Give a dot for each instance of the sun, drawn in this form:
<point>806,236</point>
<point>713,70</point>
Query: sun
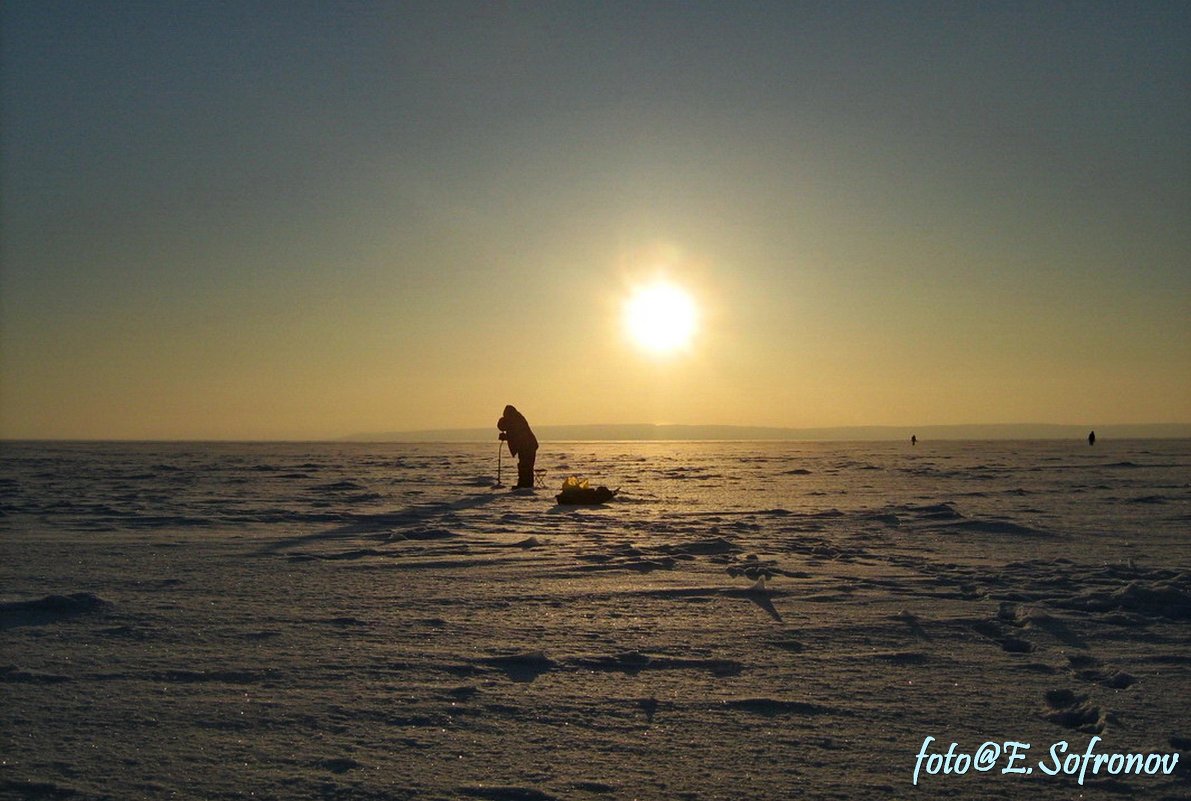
<point>660,318</point>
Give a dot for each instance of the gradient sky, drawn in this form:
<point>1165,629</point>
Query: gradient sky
<point>308,219</point>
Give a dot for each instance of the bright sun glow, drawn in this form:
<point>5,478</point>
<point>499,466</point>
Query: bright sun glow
<point>661,318</point>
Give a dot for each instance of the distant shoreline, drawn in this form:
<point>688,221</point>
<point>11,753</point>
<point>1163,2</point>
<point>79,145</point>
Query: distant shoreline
<point>760,433</point>
<point>690,433</point>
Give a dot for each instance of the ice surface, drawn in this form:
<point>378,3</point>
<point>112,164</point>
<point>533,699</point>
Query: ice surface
<point>746,620</point>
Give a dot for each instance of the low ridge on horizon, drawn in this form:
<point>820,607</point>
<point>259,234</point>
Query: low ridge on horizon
<point>678,432</point>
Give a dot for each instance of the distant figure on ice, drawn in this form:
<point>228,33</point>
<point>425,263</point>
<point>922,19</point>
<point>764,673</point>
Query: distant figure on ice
<point>1092,438</point>
<point>515,430</point>
<point>913,439</point>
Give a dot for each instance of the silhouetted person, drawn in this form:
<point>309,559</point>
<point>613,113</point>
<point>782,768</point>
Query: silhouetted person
<point>1092,438</point>
<point>515,430</point>
<point>913,439</point>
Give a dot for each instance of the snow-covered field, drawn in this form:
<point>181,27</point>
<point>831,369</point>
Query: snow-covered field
<point>746,620</point>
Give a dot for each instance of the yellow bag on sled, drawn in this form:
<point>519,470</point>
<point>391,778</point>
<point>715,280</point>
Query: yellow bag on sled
<point>576,491</point>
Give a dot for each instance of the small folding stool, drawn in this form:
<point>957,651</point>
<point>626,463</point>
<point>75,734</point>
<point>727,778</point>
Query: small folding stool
<point>539,477</point>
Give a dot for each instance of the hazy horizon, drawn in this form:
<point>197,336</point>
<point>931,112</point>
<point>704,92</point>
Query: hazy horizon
<point>660,432</point>
<point>260,222</point>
